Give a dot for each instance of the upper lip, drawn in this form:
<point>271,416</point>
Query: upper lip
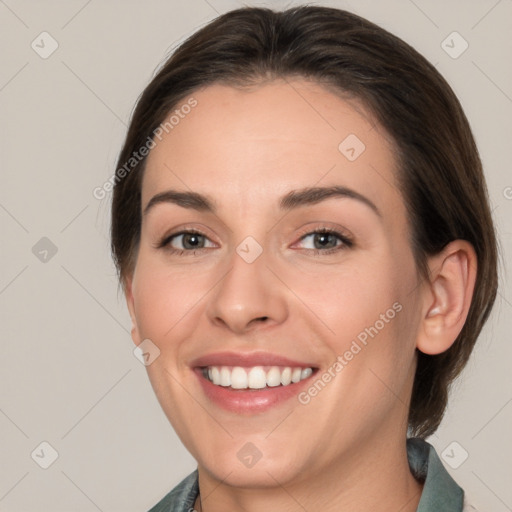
<point>247,360</point>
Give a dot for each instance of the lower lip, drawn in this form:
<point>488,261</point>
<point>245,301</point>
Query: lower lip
<point>249,401</point>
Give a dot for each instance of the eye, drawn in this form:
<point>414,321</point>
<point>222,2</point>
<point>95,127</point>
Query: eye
<point>326,241</point>
<point>185,241</point>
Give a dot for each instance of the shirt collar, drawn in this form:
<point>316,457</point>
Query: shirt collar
<point>440,491</point>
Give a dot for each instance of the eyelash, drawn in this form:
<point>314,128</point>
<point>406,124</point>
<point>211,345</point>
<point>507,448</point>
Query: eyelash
<point>347,242</point>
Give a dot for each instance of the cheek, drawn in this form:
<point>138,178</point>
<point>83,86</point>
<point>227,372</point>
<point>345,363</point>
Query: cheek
<point>351,298</point>
<point>367,315</point>
<point>372,340</point>
<point>164,299</point>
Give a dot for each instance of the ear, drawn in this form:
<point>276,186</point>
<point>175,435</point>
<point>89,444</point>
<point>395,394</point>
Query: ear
<point>447,296</point>
<point>128,291</point>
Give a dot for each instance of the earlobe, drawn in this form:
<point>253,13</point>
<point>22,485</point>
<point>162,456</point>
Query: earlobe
<point>130,302</point>
<point>447,297</point>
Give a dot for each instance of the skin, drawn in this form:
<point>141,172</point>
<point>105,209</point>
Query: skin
<point>245,148</point>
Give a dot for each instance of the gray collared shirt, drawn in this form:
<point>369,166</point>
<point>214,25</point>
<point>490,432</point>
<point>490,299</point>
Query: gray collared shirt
<point>440,492</point>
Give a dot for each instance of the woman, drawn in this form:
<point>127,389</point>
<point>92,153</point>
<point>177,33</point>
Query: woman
<point>303,234</point>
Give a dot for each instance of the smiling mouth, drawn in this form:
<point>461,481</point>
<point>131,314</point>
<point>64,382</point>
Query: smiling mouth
<point>255,377</point>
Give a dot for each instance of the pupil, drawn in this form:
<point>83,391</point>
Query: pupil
<point>323,239</point>
<point>188,238</point>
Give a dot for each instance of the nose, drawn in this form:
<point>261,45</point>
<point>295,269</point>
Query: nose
<point>249,295</point>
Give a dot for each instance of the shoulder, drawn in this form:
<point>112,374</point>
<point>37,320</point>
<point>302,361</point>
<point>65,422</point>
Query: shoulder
<point>181,498</point>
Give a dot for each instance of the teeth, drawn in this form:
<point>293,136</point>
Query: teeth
<point>304,374</point>
<point>286,376</point>
<point>225,377</point>
<point>274,377</point>
<point>215,375</point>
<point>239,379</point>
<point>256,377</point>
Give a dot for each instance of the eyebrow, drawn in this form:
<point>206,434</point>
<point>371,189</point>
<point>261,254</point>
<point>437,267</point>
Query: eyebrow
<point>291,200</point>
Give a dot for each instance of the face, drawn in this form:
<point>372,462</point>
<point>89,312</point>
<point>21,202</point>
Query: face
<point>285,320</point>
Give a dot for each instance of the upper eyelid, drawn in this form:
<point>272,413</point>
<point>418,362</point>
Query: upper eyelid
<point>166,239</point>
<point>345,239</point>
<point>343,232</point>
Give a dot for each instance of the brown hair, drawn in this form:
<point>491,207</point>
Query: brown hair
<point>440,172</point>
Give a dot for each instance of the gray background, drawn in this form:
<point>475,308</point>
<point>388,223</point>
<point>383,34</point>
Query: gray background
<point>69,375</point>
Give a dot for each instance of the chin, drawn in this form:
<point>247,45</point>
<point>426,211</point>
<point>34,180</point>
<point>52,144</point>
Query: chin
<point>252,466</point>
<point>262,475</point>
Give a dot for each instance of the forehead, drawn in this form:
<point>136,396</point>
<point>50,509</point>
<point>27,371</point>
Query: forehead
<point>270,138</point>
